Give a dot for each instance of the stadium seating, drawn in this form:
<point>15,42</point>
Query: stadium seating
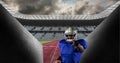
<point>57,33</point>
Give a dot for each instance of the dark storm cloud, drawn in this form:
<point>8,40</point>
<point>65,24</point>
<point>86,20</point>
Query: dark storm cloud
<point>55,7</point>
<point>32,6</point>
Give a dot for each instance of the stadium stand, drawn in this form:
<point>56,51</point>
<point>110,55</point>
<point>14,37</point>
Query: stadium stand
<point>57,32</point>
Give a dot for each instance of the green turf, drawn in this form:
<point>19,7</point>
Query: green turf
<point>45,41</point>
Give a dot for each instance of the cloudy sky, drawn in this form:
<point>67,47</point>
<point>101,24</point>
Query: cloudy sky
<point>60,7</point>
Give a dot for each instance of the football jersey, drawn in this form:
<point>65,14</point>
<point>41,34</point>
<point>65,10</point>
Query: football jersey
<point>68,51</point>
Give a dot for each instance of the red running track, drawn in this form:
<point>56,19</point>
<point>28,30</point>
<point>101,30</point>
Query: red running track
<point>50,51</point>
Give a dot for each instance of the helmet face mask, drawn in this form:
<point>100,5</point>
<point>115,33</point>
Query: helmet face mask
<point>70,36</point>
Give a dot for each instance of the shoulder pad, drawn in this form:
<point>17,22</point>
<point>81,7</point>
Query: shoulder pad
<point>63,40</point>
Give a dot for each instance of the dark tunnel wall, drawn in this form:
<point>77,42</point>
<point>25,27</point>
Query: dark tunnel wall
<point>17,45</point>
<point>103,42</point>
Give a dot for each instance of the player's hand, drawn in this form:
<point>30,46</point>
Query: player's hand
<point>57,61</point>
<point>74,43</point>
<point>81,49</point>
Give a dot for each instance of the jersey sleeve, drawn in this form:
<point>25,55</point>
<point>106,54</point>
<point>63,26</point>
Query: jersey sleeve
<point>83,42</point>
<point>60,43</point>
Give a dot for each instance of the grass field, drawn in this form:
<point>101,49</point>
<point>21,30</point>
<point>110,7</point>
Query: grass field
<point>45,41</point>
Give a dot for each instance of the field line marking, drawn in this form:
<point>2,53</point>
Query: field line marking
<point>54,52</point>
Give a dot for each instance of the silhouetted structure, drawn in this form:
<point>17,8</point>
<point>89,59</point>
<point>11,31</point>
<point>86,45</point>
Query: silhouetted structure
<point>17,45</point>
<point>103,41</point>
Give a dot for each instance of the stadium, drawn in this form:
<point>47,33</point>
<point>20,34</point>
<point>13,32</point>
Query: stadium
<point>48,29</point>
